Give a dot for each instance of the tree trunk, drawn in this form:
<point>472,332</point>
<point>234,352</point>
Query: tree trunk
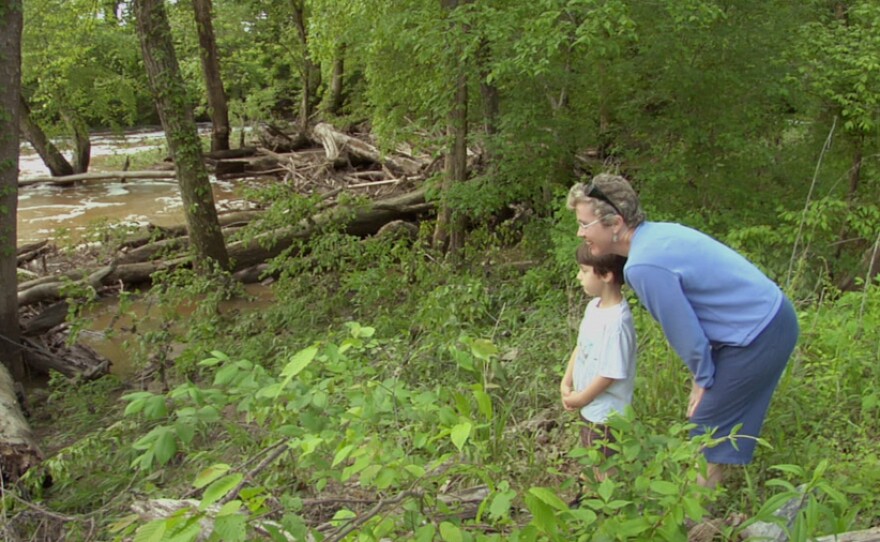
<point>18,449</point>
<point>488,91</point>
<point>213,81</point>
<point>336,84</point>
<point>82,143</point>
<point>308,70</point>
<point>176,115</point>
<point>449,230</point>
<point>56,163</point>
<point>855,177</point>
<point>10,101</point>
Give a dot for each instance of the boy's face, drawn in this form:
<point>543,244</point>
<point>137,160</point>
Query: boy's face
<point>590,281</point>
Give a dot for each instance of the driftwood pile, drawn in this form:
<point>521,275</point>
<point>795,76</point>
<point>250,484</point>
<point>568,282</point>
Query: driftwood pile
<point>328,164</point>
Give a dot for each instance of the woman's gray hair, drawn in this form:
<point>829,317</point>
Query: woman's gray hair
<point>616,189</point>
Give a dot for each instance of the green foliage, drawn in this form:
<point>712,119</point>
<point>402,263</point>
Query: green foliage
<point>842,64</point>
<point>78,58</point>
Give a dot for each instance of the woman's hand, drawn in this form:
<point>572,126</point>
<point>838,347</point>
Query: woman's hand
<point>694,401</point>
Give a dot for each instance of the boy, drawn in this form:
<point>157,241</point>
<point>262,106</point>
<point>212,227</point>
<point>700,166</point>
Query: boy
<point>601,372</point>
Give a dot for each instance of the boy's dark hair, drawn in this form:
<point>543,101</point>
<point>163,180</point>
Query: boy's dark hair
<point>607,263</point>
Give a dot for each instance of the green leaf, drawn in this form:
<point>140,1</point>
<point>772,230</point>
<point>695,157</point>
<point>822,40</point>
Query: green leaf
<point>225,375</point>
<point>153,531</point>
<point>154,408</point>
<point>218,489</point>
<point>232,507</point>
<point>693,508</point>
<point>460,434</point>
<point>210,474</point>
<point>606,489</point>
<point>342,454</point>
<point>185,432</point>
<point>230,528</point>
<point>297,363</point>
<point>189,533</point>
<point>663,487</point>
<point>791,469</point>
<point>425,533</point>
<point>500,507</point>
<point>549,497</point>
<point>450,532</point>
<point>542,515</point>
<point>416,471</point>
<point>632,527</point>
<point>165,446</point>
<point>484,403</point>
<point>483,349</point>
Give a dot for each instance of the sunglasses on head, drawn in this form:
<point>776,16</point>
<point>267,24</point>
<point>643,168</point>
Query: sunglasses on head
<point>596,193</point>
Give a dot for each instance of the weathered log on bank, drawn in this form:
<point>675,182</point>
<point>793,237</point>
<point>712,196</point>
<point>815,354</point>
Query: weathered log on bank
<point>361,222</point>
<point>336,144</point>
<point>51,353</point>
<point>50,291</point>
<point>18,449</point>
<point>97,176</point>
<point>175,239</point>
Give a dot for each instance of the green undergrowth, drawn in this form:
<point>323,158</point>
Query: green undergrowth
<point>388,382</point>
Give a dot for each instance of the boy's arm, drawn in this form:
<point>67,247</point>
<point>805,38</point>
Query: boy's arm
<point>588,394</point>
<point>567,384</point>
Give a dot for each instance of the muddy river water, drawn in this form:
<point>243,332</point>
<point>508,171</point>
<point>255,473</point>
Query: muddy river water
<point>51,212</point>
<point>63,214</point>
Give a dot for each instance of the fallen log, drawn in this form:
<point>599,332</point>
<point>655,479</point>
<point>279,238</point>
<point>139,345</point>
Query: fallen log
<point>360,221</point>
<point>177,240</point>
<point>231,153</point>
<point>336,143</point>
<point>53,315</point>
<point>114,175</point>
<point>52,290</point>
<point>18,449</point>
<point>72,276</point>
<point>77,361</point>
<point>23,249</point>
<point>25,257</point>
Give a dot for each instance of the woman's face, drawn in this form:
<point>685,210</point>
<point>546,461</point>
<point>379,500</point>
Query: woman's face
<point>593,232</point>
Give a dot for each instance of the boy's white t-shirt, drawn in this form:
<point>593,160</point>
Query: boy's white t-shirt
<point>606,347</point>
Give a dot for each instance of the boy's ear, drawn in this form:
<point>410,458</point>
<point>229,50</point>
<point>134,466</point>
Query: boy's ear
<point>608,277</point>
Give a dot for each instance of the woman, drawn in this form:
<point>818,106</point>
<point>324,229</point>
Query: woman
<point>731,325</point>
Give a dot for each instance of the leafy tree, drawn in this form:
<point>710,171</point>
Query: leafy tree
<point>81,70</point>
<point>175,112</point>
<point>10,76</point>
<point>841,65</point>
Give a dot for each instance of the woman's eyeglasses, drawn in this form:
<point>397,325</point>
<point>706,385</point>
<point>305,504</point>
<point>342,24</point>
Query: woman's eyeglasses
<point>583,226</point>
<point>595,192</point>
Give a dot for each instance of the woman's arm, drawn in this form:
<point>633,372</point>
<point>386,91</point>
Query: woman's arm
<point>660,291</point>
